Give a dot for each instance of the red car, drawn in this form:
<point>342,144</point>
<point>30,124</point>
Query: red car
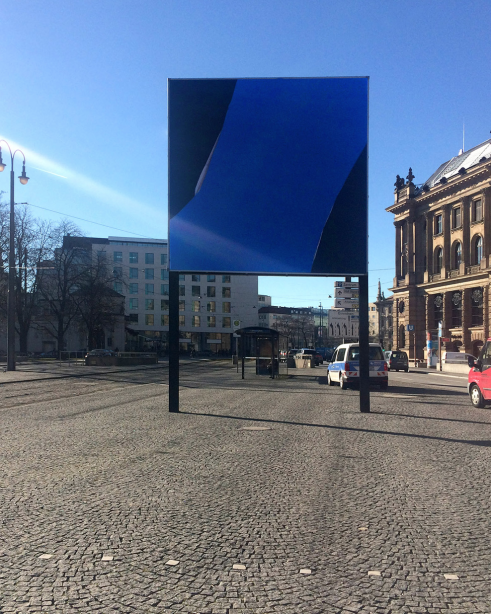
<point>479,379</point>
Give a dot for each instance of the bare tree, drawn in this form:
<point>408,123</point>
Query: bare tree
<point>59,278</point>
<point>298,327</point>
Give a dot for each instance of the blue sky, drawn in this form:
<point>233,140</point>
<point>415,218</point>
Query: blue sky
<point>84,95</point>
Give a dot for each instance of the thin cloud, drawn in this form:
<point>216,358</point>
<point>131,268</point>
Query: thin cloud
<point>83,183</point>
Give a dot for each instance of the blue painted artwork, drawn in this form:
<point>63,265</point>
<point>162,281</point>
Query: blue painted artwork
<point>268,176</point>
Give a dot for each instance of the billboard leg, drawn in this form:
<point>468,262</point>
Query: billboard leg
<point>174,341</point>
<point>364,346</point>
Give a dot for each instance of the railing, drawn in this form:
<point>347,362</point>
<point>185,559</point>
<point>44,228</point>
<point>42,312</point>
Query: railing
<point>454,273</point>
<point>435,277</point>
<point>473,269</point>
<point>401,282</point>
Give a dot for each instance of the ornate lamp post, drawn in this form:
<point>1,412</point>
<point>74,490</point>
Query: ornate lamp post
<point>23,178</point>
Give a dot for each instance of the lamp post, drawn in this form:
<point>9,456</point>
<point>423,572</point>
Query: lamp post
<point>23,178</point>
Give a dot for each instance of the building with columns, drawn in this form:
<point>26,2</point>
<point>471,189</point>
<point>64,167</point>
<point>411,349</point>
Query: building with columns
<point>443,255</point>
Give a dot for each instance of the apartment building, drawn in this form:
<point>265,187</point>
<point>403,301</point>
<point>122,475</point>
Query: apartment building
<point>211,306</point>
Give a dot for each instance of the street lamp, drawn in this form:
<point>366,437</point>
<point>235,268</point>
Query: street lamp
<point>23,178</point>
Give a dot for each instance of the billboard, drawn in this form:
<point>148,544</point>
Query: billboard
<point>268,176</point>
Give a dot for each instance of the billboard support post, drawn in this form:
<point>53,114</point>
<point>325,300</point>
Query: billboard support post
<point>364,346</point>
<point>174,341</point>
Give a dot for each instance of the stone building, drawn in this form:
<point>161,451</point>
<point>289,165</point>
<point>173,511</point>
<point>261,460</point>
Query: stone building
<point>384,307</point>
<point>443,255</point>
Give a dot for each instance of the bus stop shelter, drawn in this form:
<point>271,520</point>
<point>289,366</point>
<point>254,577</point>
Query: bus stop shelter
<point>260,344</point>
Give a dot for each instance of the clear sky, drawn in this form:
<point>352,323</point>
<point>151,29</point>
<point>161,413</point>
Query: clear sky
<point>83,93</point>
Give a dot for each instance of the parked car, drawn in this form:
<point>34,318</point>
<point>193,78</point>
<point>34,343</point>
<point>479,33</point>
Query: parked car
<point>479,378</point>
<point>316,357</point>
<point>457,358</point>
<point>397,360</point>
<point>100,353</point>
<point>345,366</point>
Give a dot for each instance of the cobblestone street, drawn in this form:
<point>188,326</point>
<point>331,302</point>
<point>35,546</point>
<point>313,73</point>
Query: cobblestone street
<point>261,497</point>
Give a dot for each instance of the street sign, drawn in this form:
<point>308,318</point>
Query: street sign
<point>236,325</point>
<point>444,339</point>
<point>410,327</point>
<point>346,293</point>
<point>345,303</point>
<point>346,284</point>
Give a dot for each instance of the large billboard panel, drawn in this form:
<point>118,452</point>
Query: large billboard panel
<point>268,176</point>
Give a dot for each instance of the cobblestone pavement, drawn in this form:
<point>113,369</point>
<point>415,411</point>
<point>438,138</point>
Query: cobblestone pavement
<point>111,504</point>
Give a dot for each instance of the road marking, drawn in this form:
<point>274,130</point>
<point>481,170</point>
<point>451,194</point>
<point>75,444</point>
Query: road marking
<point>255,428</point>
<point>171,562</point>
<point>363,529</point>
<point>374,573</point>
<point>107,557</point>
<point>306,571</point>
<point>238,566</point>
<point>464,377</point>
<point>450,576</point>
<point>45,556</point>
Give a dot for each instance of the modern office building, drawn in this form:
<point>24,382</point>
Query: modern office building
<point>211,306</point>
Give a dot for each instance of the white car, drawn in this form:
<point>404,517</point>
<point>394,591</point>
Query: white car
<point>344,368</point>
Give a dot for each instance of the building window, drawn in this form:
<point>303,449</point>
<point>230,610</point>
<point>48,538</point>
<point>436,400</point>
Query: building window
<point>118,287</point>
<point>402,336</point>
<point>212,321</point>
<point>149,304</point>
<point>227,322</point>
<point>226,307</point>
<point>225,279</point>
<point>438,224</point>
<point>438,260</point>
<point>182,290</point>
<point>133,303</point>
<point>211,306</point>
<point>457,255</point>
<point>133,257</point>
<point>195,321</point>
<point>133,317</point>
<point>164,320</point>
<point>182,305</point>
<point>164,289</point>
<point>148,273</point>
<point>149,289</point>
<point>210,278</point>
<point>226,293</point>
<point>149,259</point>
<point>149,319</point>
<point>182,320</point>
<point>477,210</point>
<point>164,304</point>
<point>438,309</point>
<point>456,217</point>
<point>182,277</point>
<point>163,259</point>
<point>118,272</point>
<point>195,291</point>
<point>133,273</point>
<point>133,288</point>
<point>118,256</point>
<point>164,274</point>
<point>195,306</point>
<point>476,307</point>
<point>456,309</point>
<point>195,277</point>
<point>478,250</point>
<point>210,291</point>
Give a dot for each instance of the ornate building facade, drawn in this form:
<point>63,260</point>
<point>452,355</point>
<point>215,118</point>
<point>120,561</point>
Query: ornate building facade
<point>443,255</point>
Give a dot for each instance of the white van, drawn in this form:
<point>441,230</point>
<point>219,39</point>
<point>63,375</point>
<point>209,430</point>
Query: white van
<point>456,358</point>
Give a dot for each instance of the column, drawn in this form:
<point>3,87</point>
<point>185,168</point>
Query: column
<point>466,319</point>
<point>429,245</point>
<point>466,232</point>
<point>486,212</point>
<point>446,239</point>
<point>396,321</point>
<point>485,312</point>
<point>447,313</point>
<point>398,250</point>
<point>410,246</point>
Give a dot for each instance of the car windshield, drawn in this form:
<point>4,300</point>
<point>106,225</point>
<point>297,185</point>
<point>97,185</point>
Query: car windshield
<point>375,353</point>
<point>398,355</point>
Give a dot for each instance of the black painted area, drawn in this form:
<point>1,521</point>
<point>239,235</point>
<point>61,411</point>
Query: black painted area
<point>343,245</point>
<point>197,111</point>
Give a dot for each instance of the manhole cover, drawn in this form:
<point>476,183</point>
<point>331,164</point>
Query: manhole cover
<point>255,428</point>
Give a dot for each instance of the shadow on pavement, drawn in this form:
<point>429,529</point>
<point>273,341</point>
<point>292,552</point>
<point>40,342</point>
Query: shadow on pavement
<point>478,442</point>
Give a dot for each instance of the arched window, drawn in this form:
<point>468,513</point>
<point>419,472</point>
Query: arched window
<point>438,260</point>
<point>457,254</point>
<point>478,250</point>
<point>402,336</point>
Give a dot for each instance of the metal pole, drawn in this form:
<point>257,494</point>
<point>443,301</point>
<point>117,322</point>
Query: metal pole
<point>11,296</point>
<point>174,341</point>
<point>364,345</point>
